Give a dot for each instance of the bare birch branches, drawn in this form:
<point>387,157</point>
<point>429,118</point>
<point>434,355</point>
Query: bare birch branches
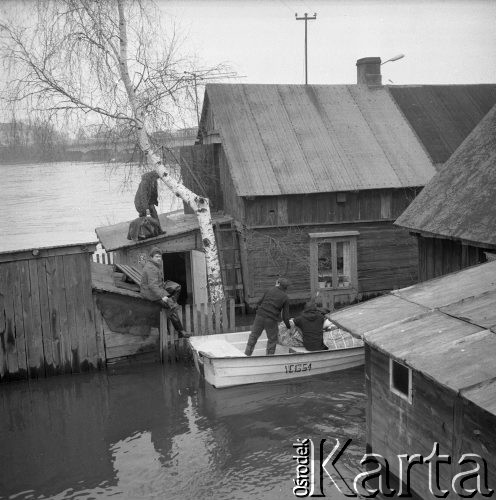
<point>106,58</point>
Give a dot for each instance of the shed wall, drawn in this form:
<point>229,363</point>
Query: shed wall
<point>47,317</point>
<point>437,415</point>
<point>439,256</point>
<point>397,427</point>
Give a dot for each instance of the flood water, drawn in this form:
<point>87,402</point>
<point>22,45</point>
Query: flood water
<point>149,431</point>
<point>60,203</point>
<point>159,432</point>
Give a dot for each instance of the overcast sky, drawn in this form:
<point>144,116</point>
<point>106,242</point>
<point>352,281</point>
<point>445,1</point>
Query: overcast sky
<point>444,41</point>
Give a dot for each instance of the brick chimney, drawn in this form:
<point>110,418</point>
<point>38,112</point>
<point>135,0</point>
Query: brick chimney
<point>369,71</point>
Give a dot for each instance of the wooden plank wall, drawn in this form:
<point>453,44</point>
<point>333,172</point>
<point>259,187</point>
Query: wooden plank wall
<point>437,414</point>
<point>233,204</point>
<point>46,317</point>
<point>476,433</point>
<point>387,257</point>
<point>395,426</point>
<point>440,256</point>
<point>200,171</point>
<point>325,207</point>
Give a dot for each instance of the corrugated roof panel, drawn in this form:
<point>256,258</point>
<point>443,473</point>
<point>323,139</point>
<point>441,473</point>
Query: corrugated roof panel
<point>309,126</point>
<point>407,158</point>
<point>362,160</point>
<point>278,140</point>
<point>459,202</point>
<point>241,140</point>
<point>290,139</point>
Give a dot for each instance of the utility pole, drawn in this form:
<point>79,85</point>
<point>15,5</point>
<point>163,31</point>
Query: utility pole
<point>306,18</point>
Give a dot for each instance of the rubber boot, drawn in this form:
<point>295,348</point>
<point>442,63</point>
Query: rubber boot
<point>271,349</point>
<point>249,349</point>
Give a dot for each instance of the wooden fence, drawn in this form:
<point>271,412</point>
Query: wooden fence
<point>101,256</point>
<point>199,319</point>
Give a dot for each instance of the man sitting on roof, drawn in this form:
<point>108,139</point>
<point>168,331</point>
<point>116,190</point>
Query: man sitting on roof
<point>153,287</point>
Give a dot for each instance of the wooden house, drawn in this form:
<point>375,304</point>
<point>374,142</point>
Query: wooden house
<point>47,321</point>
<point>430,375</point>
<point>454,218</point>
<point>315,175</point>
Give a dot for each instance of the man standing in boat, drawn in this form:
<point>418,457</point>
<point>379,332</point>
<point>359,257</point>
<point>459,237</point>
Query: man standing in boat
<point>270,306</point>
<point>153,287</point>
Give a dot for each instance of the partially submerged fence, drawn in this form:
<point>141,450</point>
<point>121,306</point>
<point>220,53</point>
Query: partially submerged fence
<point>198,319</point>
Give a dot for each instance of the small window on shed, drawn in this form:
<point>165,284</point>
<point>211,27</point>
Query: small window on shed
<point>400,380</point>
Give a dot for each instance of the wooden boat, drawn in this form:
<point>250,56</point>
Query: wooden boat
<point>220,359</point>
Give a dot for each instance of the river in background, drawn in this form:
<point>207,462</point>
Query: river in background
<point>60,203</point>
<point>149,431</point>
<point>159,432</point>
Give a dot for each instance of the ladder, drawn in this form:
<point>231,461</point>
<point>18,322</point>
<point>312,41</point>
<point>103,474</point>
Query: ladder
<point>230,264</point>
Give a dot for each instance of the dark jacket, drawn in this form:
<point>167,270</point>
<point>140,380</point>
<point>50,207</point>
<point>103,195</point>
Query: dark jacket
<point>147,193</point>
<point>272,303</point>
<point>311,323</point>
<point>152,282</point>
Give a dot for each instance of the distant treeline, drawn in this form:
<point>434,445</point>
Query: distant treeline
<point>30,154</point>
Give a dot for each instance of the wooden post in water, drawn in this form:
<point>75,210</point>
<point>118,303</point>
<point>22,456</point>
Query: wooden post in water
<point>167,339</point>
<point>198,319</point>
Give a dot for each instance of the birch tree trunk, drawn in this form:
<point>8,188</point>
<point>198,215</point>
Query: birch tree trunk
<point>199,204</point>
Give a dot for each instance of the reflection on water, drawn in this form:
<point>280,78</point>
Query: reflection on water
<point>60,203</point>
<point>159,432</point>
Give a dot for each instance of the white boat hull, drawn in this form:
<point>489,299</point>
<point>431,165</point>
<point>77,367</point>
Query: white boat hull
<point>232,367</point>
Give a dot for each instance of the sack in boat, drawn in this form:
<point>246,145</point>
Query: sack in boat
<point>291,337</point>
<point>336,338</point>
<point>143,228</point>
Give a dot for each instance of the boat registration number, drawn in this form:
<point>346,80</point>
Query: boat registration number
<point>298,367</point>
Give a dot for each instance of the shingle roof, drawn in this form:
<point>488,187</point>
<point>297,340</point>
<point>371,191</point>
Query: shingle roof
<point>444,328</point>
<point>459,202</point>
<point>290,139</point>
<point>444,115</point>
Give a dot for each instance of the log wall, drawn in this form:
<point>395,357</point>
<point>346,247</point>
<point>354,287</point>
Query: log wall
<point>371,205</point>
<point>46,314</point>
<point>387,258</point>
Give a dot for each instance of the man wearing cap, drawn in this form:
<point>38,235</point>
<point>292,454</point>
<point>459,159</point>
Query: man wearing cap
<point>268,315</point>
<point>154,288</point>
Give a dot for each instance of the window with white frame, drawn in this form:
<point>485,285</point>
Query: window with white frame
<point>333,260</point>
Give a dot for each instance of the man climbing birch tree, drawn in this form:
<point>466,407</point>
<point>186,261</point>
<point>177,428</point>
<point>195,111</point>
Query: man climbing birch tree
<point>108,59</point>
